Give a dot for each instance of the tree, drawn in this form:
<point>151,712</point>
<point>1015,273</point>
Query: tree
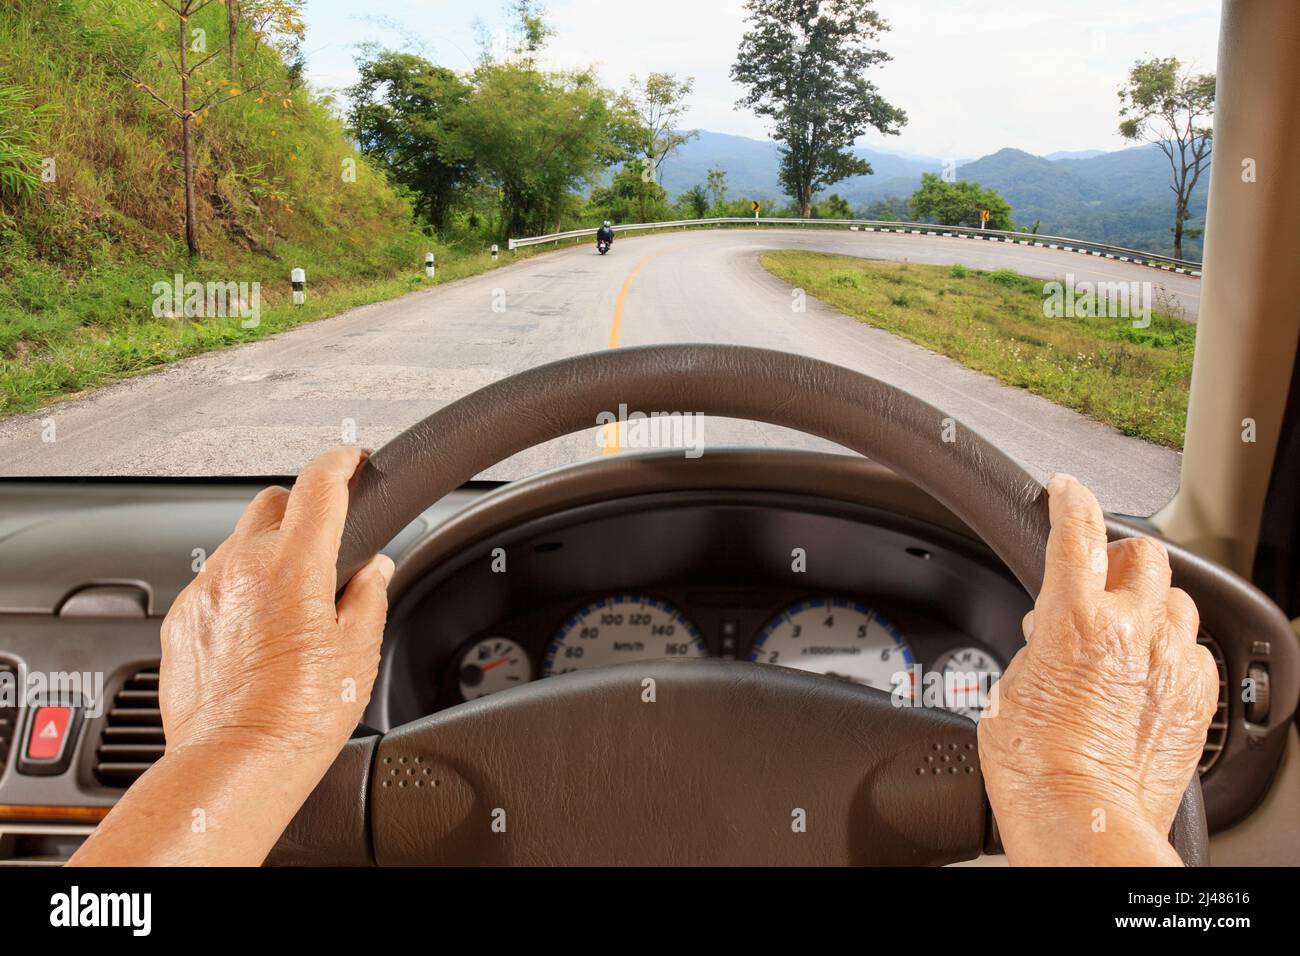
<point>531,29</point>
<point>833,206</point>
<point>278,20</point>
<point>660,102</point>
<point>536,136</point>
<point>403,111</point>
<point>1172,108</point>
<point>186,108</point>
<point>889,209</point>
<point>958,203</point>
<point>717,186</point>
<point>804,63</point>
<point>695,201</point>
<point>631,197</point>
<point>232,33</point>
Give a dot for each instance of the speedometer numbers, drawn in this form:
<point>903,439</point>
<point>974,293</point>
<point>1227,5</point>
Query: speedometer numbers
<point>836,637</point>
<point>621,628</point>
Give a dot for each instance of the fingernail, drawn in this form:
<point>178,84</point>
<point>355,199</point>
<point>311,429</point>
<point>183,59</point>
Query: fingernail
<point>384,565</point>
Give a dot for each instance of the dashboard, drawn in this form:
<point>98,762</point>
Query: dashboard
<point>825,563</point>
<point>777,580</point>
<point>829,634</point>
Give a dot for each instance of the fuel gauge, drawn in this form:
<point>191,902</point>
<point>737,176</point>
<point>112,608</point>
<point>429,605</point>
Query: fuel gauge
<point>968,675</point>
<point>493,664</point>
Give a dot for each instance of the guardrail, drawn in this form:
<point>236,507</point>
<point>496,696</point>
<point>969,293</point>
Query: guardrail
<point>1082,246</point>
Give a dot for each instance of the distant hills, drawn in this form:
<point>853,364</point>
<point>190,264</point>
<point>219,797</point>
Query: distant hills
<point>1120,197</point>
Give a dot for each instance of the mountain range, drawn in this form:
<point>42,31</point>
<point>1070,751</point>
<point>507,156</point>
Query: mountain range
<point>1120,197</point>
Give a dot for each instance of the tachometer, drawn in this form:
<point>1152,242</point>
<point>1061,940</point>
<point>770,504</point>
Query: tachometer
<point>619,628</point>
<point>837,637</point>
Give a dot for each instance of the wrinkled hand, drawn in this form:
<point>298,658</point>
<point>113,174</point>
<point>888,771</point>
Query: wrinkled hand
<point>1096,727</point>
<point>255,652</point>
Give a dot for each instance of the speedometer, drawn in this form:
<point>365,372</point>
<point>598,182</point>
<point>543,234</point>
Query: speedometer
<point>837,637</point>
<point>619,628</point>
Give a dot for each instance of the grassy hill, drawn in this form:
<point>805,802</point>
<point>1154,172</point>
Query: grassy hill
<point>80,256</point>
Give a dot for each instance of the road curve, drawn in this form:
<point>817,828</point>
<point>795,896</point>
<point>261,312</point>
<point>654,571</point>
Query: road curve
<point>363,376</point>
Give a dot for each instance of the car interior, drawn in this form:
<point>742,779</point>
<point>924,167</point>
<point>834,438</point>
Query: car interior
<point>648,576</point>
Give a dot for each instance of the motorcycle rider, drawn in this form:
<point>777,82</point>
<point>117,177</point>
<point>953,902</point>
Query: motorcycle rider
<point>605,233</point>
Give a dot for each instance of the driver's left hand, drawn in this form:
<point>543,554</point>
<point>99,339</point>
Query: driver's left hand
<point>264,676</point>
<point>255,649</point>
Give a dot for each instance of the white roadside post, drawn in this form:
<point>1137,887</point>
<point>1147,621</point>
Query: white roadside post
<point>298,278</point>
<point>494,252</point>
<point>428,264</point>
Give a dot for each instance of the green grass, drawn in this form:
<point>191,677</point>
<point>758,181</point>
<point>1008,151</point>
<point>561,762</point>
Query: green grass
<point>61,339</point>
<point>80,255</point>
<point>1133,379</point>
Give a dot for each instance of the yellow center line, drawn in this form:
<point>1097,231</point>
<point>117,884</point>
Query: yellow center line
<point>622,299</point>
<point>613,437</point>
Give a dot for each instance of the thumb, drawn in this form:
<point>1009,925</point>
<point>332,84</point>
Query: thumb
<point>364,606</point>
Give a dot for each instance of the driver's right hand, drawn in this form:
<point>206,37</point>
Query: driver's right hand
<point>1097,725</point>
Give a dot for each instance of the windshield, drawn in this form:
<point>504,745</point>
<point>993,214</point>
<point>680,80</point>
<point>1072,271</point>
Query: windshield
<point>234,235</point>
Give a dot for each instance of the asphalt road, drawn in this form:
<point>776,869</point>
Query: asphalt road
<point>363,376</point>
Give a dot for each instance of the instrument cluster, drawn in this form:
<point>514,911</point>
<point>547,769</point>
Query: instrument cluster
<point>834,635</point>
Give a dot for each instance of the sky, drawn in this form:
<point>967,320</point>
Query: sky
<point>973,75</point>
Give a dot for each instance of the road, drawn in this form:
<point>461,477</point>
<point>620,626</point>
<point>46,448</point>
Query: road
<point>363,376</point>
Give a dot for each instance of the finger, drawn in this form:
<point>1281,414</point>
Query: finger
<point>1209,674</point>
<point>1139,567</point>
<point>264,512</point>
<point>318,504</point>
<point>1182,616</point>
<point>1027,626</point>
<point>1075,567</point>
<point>363,607</point>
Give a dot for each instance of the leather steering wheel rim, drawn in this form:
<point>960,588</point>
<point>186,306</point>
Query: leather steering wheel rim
<point>981,485</point>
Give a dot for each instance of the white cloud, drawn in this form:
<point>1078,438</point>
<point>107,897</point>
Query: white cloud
<point>973,75</point>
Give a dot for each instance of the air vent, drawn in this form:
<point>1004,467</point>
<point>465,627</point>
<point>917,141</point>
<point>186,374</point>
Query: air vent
<point>8,710</point>
<point>1217,738</point>
<point>133,733</point>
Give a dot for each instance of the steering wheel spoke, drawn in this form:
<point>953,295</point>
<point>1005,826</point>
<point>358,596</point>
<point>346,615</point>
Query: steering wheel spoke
<point>701,762</point>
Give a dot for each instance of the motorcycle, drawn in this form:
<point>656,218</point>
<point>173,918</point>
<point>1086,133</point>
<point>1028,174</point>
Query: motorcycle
<point>602,246</point>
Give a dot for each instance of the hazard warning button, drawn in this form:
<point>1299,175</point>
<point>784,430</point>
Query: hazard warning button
<point>50,731</point>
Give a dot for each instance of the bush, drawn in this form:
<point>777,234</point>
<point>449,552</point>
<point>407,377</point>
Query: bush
<point>1012,280</point>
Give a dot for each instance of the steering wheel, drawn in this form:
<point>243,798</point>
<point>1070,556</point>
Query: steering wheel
<point>685,761</point>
